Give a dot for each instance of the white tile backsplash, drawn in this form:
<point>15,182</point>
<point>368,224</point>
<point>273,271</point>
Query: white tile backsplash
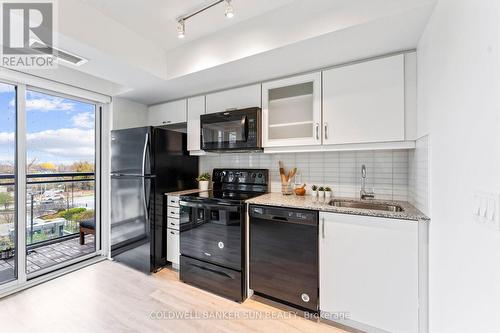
<point>418,180</point>
<point>387,171</point>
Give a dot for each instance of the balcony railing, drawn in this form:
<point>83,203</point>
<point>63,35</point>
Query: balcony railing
<point>56,204</point>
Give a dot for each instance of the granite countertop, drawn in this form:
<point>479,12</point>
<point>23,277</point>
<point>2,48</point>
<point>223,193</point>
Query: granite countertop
<point>309,202</point>
<point>185,192</point>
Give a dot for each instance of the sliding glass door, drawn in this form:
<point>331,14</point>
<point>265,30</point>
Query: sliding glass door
<point>49,187</point>
<point>60,178</point>
<point>8,218</point>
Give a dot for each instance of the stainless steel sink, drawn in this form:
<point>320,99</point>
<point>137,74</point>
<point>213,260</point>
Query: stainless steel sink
<point>366,205</point>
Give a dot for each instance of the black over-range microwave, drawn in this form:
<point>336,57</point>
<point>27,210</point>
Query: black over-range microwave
<point>236,130</point>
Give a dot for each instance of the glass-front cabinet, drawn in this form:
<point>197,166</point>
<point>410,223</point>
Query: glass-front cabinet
<point>291,111</point>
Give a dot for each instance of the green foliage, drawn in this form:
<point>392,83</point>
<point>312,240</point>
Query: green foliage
<point>321,188</point>
<point>6,199</point>
<point>69,214</point>
<point>328,189</point>
<point>203,176</point>
<point>6,243</point>
<point>314,187</point>
<point>72,214</point>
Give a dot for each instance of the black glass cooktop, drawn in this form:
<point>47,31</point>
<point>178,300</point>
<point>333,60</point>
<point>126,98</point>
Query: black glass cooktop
<point>222,196</point>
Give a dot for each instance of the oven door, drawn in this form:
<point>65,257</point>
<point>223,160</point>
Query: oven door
<point>212,233</point>
<point>231,130</point>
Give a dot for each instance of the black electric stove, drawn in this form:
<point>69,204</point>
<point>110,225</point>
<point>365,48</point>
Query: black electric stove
<point>221,196</point>
<point>212,231</point>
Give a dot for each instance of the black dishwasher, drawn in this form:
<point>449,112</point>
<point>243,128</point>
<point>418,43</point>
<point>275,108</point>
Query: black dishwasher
<point>284,255</point>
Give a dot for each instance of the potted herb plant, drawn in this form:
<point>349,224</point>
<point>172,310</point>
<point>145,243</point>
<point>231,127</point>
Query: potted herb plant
<point>314,189</point>
<point>328,192</point>
<point>203,181</point>
<point>321,192</point>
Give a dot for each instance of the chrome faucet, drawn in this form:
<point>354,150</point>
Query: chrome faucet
<point>363,193</point>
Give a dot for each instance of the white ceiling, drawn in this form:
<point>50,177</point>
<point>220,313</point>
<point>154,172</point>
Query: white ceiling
<point>156,20</point>
<point>134,48</point>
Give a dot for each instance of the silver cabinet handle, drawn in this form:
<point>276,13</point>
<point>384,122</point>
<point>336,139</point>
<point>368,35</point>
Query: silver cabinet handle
<point>323,228</point>
<point>167,122</point>
<point>317,131</point>
<point>326,131</point>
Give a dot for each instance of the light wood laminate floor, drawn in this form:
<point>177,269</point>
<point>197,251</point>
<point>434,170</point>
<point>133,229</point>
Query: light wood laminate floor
<point>109,297</point>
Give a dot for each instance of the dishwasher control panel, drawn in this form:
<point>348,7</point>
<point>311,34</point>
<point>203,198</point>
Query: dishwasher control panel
<point>284,214</point>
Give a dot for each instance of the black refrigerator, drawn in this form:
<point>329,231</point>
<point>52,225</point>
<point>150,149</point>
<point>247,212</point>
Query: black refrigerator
<point>146,163</point>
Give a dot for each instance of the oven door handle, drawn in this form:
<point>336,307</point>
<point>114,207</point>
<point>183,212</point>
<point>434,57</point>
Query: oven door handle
<point>211,270</point>
<point>220,206</point>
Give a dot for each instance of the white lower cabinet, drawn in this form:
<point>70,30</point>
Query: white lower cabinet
<point>173,252</point>
<point>173,225</point>
<point>369,271</point>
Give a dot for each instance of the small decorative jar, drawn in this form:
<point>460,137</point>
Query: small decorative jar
<point>286,188</point>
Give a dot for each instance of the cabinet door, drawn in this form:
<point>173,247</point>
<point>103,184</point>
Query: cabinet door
<point>173,251</point>
<point>291,111</point>
<point>369,268</point>
<point>196,107</point>
<point>167,113</point>
<point>365,102</point>
<point>239,98</point>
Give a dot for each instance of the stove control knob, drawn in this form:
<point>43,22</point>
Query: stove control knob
<point>254,175</point>
<point>260,175</point>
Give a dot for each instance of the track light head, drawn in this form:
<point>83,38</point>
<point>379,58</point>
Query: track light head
<point>229,13</point>
<point>181,29</point>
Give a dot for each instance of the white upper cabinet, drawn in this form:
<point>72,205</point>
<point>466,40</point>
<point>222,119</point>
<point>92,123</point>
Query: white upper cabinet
<point>369,267</point>
<point>411,96</point>
<point>195,108</point>
<point>365,102</point>
<point>168,113</point>
<point>291,111</point>
<point>239,98</point>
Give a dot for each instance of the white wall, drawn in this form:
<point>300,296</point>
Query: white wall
<point>459,107</point>
<point>128,114</point>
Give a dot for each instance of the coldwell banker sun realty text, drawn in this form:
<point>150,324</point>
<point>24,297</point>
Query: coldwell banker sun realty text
<point>28,39</point>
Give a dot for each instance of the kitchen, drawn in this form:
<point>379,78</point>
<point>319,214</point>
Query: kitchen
<point>312,168</point>
<point>322,126</point>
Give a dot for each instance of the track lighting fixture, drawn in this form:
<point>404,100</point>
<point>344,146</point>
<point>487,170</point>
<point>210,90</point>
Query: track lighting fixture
<point>229,9</point>
<point>181,27</point>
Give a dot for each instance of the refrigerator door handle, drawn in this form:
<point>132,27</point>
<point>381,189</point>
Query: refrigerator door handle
<point>146,142</point>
